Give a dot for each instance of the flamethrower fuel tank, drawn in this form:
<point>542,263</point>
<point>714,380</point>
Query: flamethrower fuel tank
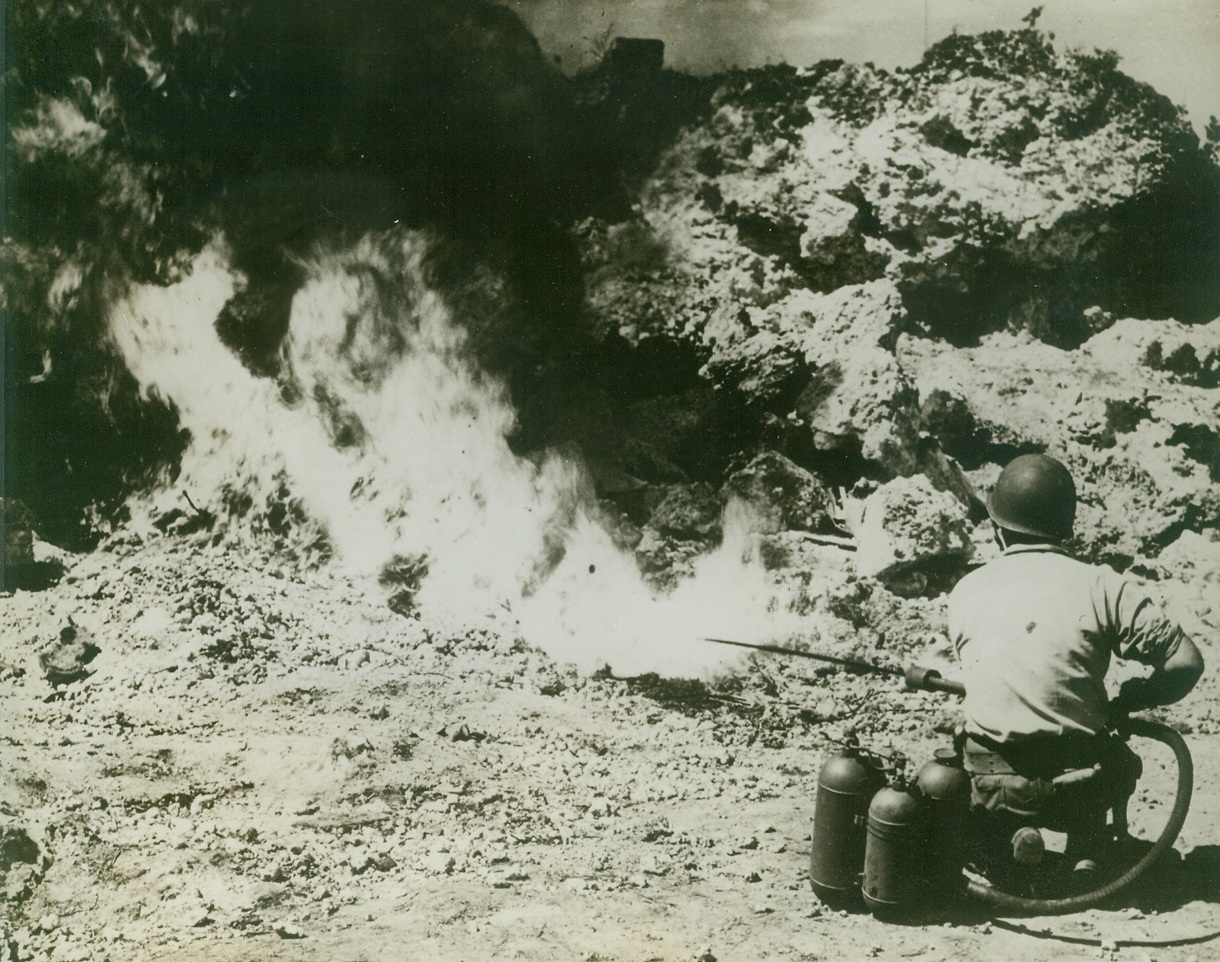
<point>895,851</point>
<point>946,786</point>
<point>846,783</point>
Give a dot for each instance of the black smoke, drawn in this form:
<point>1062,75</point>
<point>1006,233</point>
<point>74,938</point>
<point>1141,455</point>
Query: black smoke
<point>279,125</point>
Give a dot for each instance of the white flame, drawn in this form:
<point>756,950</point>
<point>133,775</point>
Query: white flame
<point>424,469</point>
<point>595,609</point>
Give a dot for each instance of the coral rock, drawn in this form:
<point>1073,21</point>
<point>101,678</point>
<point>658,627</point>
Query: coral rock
<point>908,523</point>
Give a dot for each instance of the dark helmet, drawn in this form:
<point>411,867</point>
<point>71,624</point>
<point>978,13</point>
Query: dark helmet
<point>1035,495</point>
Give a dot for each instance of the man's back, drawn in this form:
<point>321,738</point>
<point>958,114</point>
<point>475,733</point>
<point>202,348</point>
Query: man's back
<point>1035,630</point>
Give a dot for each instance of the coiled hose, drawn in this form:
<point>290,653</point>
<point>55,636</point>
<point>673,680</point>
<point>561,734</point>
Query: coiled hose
<point>1181,803</point>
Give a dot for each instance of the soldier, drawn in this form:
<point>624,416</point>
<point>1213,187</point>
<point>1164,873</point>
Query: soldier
<point>1035,630</point>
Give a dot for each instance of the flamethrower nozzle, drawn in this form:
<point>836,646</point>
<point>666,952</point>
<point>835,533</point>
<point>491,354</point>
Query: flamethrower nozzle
<point>815,656</point>
<point>916,677</point>
<point>929,679</point>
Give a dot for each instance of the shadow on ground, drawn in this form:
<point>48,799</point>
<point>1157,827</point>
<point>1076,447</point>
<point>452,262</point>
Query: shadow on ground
<point>1177,880</point>
<point>1173,882</point>
<point>37,576</point>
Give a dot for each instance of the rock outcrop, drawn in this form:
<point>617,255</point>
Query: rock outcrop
<point>918,273</point>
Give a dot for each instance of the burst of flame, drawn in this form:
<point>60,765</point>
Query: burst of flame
<point>394,446</point>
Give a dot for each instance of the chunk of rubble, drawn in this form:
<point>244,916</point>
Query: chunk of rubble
<point>857,393</point>
<point>65,660</point>
<point>907,525</point>
<point>689,511</point>
<point>782,495</point>
<point>17,848</point>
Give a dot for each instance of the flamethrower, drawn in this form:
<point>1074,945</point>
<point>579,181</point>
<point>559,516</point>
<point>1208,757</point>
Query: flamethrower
<point>898,842</point>
<point>916,676</point>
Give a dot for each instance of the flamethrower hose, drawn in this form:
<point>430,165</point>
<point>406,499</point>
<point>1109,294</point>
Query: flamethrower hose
<point>1177,816</point>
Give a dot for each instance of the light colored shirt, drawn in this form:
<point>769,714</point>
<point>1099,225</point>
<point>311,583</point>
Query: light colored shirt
<point>1035,630</point>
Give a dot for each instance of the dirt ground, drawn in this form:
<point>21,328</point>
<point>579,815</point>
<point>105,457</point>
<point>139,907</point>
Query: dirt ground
<point>265,764</point>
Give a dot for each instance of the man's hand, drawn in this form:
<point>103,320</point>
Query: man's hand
<point>1132,697</point>
<point>1167,684</point>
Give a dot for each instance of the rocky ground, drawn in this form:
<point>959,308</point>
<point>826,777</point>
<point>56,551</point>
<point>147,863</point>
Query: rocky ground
<point>256,761</point>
